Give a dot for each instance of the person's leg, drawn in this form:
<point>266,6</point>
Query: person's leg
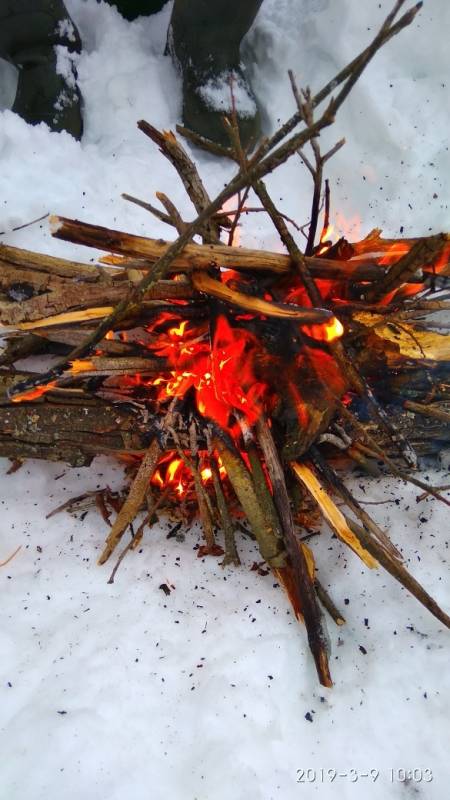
<point>38,37</point>
<point>205,38</point>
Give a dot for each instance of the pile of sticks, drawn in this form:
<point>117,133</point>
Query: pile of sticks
<point>342,345</point>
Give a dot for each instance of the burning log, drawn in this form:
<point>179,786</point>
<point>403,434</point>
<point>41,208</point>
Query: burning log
<point>206,256</point>
<point>232,380</point>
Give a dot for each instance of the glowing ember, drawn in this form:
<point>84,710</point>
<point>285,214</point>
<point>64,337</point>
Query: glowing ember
<point>180,330</point>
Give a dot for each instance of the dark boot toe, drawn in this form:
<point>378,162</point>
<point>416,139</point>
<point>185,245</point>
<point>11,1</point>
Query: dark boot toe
<point>45,96</point>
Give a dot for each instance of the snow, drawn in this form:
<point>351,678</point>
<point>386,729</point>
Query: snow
<point>66,30</point>
<point>65,65</point>
<point>217,95</point>
<point>203,694</point>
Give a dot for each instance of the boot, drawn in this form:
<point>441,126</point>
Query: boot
<point>130,9</point>
<point>204,40</point>
<point>38,37</point>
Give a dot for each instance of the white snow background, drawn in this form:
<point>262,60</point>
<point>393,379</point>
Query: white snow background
<point>111,692</point>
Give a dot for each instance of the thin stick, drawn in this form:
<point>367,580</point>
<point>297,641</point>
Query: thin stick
<point>328,603</point>
<point>25,225</point>
<point>303,582</point>
<point>10,558</point>
<point>153,210</point>
<point>237,216</point>
<point>134,500</point>
<point>400,573</point>
<point>326,213</point>
<point>139,533</point>
<point>174,214</point>
<point>231,553</point>
<point>427,410</point>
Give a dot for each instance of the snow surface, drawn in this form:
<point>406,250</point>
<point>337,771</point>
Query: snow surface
<point>217,95</point>
<point>118,691</point>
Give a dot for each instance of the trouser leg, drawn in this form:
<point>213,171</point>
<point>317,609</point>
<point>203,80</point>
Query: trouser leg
<point>208,31</point>
<point>39,38</point>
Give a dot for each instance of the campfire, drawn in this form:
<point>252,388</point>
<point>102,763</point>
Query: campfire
<point>237,384</point>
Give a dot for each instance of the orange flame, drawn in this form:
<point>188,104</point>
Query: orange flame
<point>394,252</point>
<point>222,376</point>
<point>348,227</point>
<point>325,332</point>
<point>173,472</point>
<point>327,233</point>
<point>325,239</point>
<point>81,365</point>
<point>33,394</point>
